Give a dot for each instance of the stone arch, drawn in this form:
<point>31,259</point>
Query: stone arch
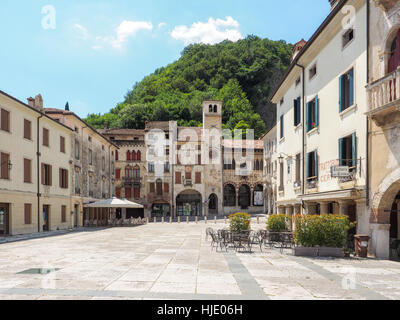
<point>383,199</point>
<point>386,47</point>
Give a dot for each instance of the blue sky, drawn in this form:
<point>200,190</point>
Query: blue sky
<point>99,49</point>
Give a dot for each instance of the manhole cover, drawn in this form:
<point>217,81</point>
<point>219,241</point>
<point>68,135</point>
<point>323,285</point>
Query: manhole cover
<point>38,271</point>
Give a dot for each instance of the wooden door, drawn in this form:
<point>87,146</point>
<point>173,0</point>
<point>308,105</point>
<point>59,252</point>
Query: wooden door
<point>4,218</point>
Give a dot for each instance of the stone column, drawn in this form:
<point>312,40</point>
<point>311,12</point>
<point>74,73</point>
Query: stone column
<point>289,214</point>
<point>343,206</point>
<point>324,207</point>
<point>362,216</point>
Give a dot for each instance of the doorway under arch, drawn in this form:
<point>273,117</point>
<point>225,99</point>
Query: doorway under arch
<point>244,196</point>
<point>213,205</point>
<point>189,204</point>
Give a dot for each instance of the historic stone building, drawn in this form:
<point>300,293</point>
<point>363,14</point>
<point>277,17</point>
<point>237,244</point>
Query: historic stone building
<point>270,168</point>
<point>384,130</point>
<point>188,171</point>
<point>93,167</point>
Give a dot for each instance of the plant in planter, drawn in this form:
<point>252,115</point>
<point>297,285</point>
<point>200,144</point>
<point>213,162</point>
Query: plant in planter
<point>240,222</point>
<point>326,232</point>
<point>278,223</point>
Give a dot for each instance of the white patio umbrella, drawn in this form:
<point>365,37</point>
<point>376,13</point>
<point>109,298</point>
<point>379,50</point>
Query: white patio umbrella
<point>114,203</point>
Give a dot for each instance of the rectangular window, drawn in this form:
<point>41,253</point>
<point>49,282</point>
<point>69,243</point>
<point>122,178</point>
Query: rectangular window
<point>348,37</point>
<point>313,114</point>
<point>118,173</point>
<point>27,171</point>
<point>166,187</point>
<point>28,213</point>
<point>5,120</point>
<point>63,214</point>
<point>298,167</point>
<point>159,188</point>
<point>282,127</point>
<point>46,138</point>
<point>313,71</point>
<point>198,178</point>
<point>136,192</point>
<point>77,189</point>
<point>166,167</point>
<point>62,144</point>
<point>151,167</point>
<point>27,129</point>
<point>128,193</point>
<point>348,152</point>
<point>63,175</point>
<point>312,165</point>
<point>297,111</point>
<point>90,156</point>
<point>152,187</point>
<point>5,170</point>
<point>46,174</point>
<point>77,150</point>
<point>178,178</point>
<point>346,90</point>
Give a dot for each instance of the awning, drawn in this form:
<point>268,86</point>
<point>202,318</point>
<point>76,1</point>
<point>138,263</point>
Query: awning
<point>114,203</point>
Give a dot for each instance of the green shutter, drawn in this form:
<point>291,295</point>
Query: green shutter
<point>308,117</point>
<point>351,91</point>
<point>307,165</point>
<point>340,152</point>
<point>299,110</point>
<point>354,149</point>
<point>295,112</point>
<point>316,111</point>
<point>316,162</point>
<point>341,81</point>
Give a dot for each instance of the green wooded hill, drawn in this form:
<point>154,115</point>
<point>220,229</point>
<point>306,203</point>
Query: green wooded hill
<point>241,74</point>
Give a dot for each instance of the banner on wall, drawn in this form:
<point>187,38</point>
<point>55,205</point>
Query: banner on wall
<point>258,198</point>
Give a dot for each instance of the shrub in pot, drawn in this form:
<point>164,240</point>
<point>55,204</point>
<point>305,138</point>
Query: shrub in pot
<point>278,223</point>
<point>324,231</point>
<point>240,222</point>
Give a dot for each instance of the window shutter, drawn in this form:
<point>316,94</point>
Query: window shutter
<point>27,129</point>
<point>298,110</point>
<point>295,112</point>
<point>118,174</point>
<point>340,152</point>
<point>308,124</point>
<point>152,187</point>
<point>308,165</point>
<point>43,174</point>
<point>354,149</point>
<point>66,179</point>
<point>50,175</point>
<point>316,111</point>
<point>178,178</point>
<point>166,188</point>
<point>351,89</point>
<point>341,90</point>
<point>60,177</point>
<point>316,163</point>
<point>5,120</point>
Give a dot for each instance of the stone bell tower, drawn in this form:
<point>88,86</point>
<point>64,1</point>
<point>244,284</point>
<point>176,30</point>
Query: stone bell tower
<point>212,114</point>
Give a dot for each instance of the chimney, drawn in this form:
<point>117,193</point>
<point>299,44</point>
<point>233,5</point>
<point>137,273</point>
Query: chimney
<point>36,103</point>
<point>298,47</point>
<point>333,3</point>
<point>31,102</point>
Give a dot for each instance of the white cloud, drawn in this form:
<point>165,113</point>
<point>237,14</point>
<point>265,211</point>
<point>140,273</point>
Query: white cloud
<point>128,29</point>
<point>83,32</point>
<point>211,32</point>
<point>124,31</point>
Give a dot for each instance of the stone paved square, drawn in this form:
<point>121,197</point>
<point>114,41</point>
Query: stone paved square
<point>174,261</point>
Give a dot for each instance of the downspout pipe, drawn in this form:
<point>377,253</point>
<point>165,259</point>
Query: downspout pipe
<point>367,181</point>
<point>303,126</point>
<point>38,169</point>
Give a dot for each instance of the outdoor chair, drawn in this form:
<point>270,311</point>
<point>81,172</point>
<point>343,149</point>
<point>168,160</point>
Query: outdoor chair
<point>242,241</point>
<point>217,242</point>
<point>209,231</point>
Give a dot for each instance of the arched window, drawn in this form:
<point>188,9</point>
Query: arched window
<point>128,172</point>
<point>229,196</point>
<point>136,172</point>
<point>394,60</point>
<point>128,156</point>
<point>258,196</point>
<point>116,155</point>
<point>210,108</point>
<point>215,109</point>
<point>134,156</point>
<point>139,156</point>
<point>213,202</point>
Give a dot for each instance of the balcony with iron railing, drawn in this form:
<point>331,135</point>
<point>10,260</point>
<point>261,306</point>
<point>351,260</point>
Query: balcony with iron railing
<point>384,99</point>
<point>132,180</point>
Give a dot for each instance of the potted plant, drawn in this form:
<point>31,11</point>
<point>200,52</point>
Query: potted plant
<point>323,235</point>
<point>240,222</point>
<point>278,223</point>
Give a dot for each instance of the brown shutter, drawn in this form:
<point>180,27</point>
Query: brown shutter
<point>66,179</point>
<point>152,188</point>
<point>178,178</point>
<point>60,177</point>
<point>28,213</point>
<point>45,137</point>
<point>50,175</point>
<point>166,188</point>
<point>198,177</point>
<point>63,214</point>
<point>4,165</point>
<point>43,174</point>
<point>62,144</point>
<point>27,129</point>
<point>5,120</point>
<point>27,171</point>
